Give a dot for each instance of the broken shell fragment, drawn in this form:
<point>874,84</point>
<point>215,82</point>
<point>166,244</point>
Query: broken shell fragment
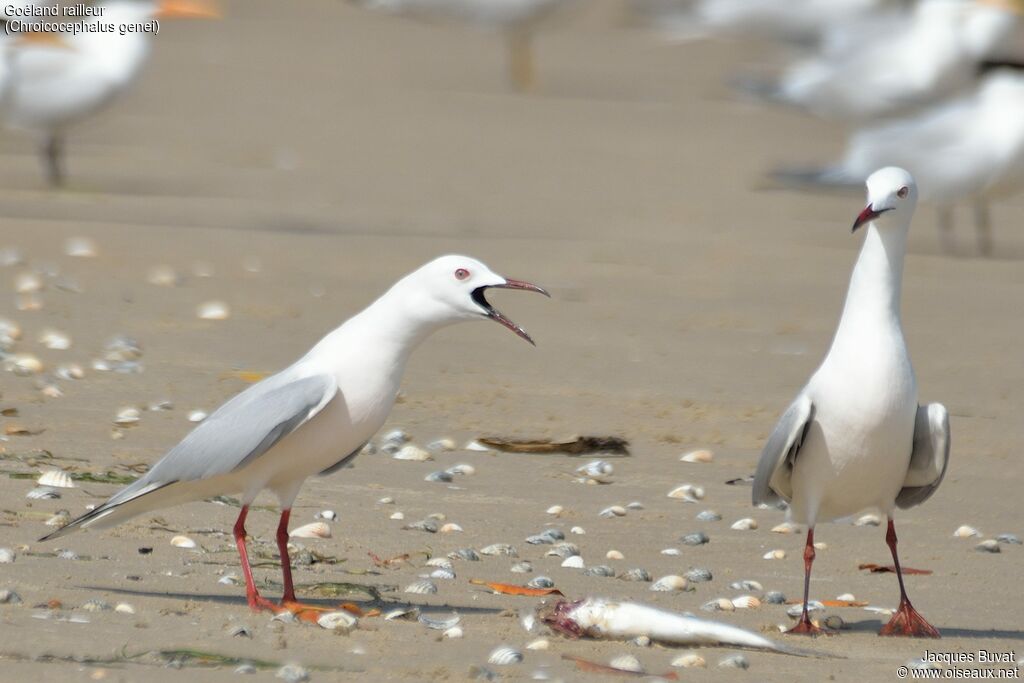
<point>698,574</point>
<point>453,633</point>
<point>183,542</point>
<point>698,538</point>
<point>718,605</point>
<point>163,276</point>
<point>601,570</point>
<point>689,660</point>
<point>708,516</point>
<point>56,478</point>
<point>627,663</point>
<point>441,445</point>
<point>342,622</point>
<point>505,656</point>
<point>555,510</point>
<point>423,587</point>
<point>23,364</point>
<point>540,582</point>
<point>702,455</point>
<point>476,446</point>
<point>689,493</point>
<point>450,528</point>
<point>747,585</point>
<point>213,310</point>
<point>1009,539</point>
<point>613,511</point>
<point>775,555</point>
<point>539,644</point>
<point>745,524</point>
<point>312,530</point>
<point>127,416</point>
<point>461,468</point>
<point>597,470</point>
<point>439,477</point>
<point>869,519</point>
<point>7,556</point>
<point>775,598</point>
<point>523,567</point>
<point>42,493</point>
<point>672,582</point>
<point>785,528</point>
<point>734,662</point>
<point>500,549</point>
<point>329,515</point>
<point>412,453</point>
<point>988,546</point>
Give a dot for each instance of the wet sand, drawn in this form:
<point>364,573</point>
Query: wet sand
<point>342,149</point>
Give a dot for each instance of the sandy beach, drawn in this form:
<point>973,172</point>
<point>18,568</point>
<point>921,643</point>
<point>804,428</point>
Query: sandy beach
<point>306,155</point>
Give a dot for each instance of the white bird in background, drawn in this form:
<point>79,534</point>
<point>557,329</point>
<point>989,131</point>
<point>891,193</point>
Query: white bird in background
<point>314,416</point>
<point>935,54</point>
<point>855,437</point>
<point>51,89</point>
<point>517,20</point>
<point>970,149</point>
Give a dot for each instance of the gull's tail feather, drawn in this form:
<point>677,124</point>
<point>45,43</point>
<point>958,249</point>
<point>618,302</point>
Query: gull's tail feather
<point>124,505</point>
<point>835,177</point>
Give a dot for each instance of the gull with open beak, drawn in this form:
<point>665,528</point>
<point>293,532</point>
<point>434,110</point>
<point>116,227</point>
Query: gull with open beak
<point>315,416</point>
<point>855,437</point>
<point>52,87</point>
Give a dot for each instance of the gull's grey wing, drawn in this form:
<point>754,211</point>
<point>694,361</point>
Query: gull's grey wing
<point>772,479</point>
<point>930,457</point>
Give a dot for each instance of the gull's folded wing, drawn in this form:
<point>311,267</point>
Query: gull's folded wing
<point>772,480</point>
<point>930,457</point>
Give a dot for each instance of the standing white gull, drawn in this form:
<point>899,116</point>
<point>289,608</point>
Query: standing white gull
<point>855,437</point>
<point>314,416</point>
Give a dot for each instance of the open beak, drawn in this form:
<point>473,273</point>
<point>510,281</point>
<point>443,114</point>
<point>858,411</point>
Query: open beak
<point>188,9</point>
<point>866,216</point>
<point>496,315</point>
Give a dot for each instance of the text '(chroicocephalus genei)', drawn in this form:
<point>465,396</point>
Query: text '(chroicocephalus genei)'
<point>855,437</point>
<point>314,416</point>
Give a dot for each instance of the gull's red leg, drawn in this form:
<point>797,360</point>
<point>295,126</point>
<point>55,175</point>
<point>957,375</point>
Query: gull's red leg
<point>256,601</point>
<point>804,626</point>
<point>906,621</point>
<point>286,560</point>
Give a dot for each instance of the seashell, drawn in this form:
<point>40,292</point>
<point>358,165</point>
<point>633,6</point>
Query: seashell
<point>746,602</point>
<point>127,416</point>
<point>9,597</point>
<point>627,663</point>
<point>341,622</point>
<point>785,528</point>
<point>229,580</point>
<point>96,605</point>
<point>539,644</point>
<point>745,524</point>
<point>476,446</point>
<point>614,555</point>
<point>285,617</point>
<point>523,567</point>
<point>540,582</point>
<point>820,545</point>
<point>635,505</point>
<point>440,476</point>
<point>124,608</point>
<point>450,528</point>
<point>443,562</point>
<point>240,631</point>
<point>528,622</point>
<point>329,515</point>
<point>718,605</point>
<point>966,532</point>
<point>462,468</point>
<point>441,445</point>
<point>775,598</point>
<point>312,530</point>
<point>636,574</point>
<point>870,519</point>
<point>555,510</point>
<point>708,516</point>
<point>698,538</point>
<point>613,511</point>
<point>500,549</point>
<point>795,611</point>
<point>578,530</point>
<point>55,339</point>
<point>1009,539</point>
<point>734,662</point>
<point>428,525</point>
<point>602,570</point>
<point>413,453</point>
<point>292,673</point>
<point>988,546</point>
<point>213,310</point>
<point>453,633</point>
<point>504,656</point>
<point>670,583</point>
<point>689,493</point>
<point>540,539</point>
<point>746,585</point>
<point>440,624</point>
<point>553,534</point>
<point>42,493</point>
<point>671,552</point>
<point>846,597</point>
<point>423,587</point>
<point>698,456</point>
<point>51,391</point>
<point>467,554</point>
<point>573,562</point>
<point>28,283</point>
<point>775,555</point>
<point>56,478</point>
<point>183,542</point>
<point>690,660</point>
<point>834,622</point>
<point>197,416</point>
<point>163,276</point>
<point>406,613</point>
<point>60,519</point>
<point>397,515</point>
<point>698,574</point>
<point>7,556</point>
<point>81,247</point>
<point>23,364</point>
<point>563,550</point>
<point>597,470</point>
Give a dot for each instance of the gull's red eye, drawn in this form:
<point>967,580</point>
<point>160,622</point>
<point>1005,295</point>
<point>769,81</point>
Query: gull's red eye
<point>461,274</point>
<point>903,192</point>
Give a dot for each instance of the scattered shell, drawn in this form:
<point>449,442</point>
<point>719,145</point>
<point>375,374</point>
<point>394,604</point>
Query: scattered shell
<point>55,339</point>
<point>785,528</point>
<point>440,624</point>
<point>690,660</point>
<point>197,416</point>
<point>429,525</point>
<point>56,478</point>
<point>7,556</point>
<point>690,493</point>
<point>397,515</point>
<point>846,597</point>
<point>23,364</point>
<point>597,470</point>
<point>698,456</point>
<point>124,608</point>
<point>672,552</point>
<point>539,644</point>
<point>988,546</point>
<point>413,453</point>
<point>708,516</point>
<point>95,605</point>
<point>718,605</point>
<point>636,574</point>
<point>734,662</point>
<point>563,550</point>
<point>60,519</point>
<point>698,538</point>
<point>66,554</point>
<point>386,500</point>
<point>9,597</point>
<point>834,622</point>
<point>635,505</point>
<point>670,583</point>
<point>870,519</point>
<point>213,310</point>
<point>440,477</point>
<point>230,580</point>
<point>698,574</point>
<point>329,515</point>
<point>775,598</point>
<point>966,532</point>
<point>442,562</point>
<point>528,622</point>
<point>450,528</point>
<point>467,554</point>
<point>476,446</point>
<point>573,562</point>
<point>523,567</point>
<point>613,511</point>
<point>183,542</point>
<point>775,555</point>
<point>555,510</point>
<point>746,602</point>
<point>500,549</point>
<point>28,283</point>
<point>163,276</point>
<point>127,416</point>
<point>745,524</point>
<point>285,617</point>
<point>69,371</point>
<point>42,493</point>
<point>462,468</point>
<point>627,663</point>
<point>407,613</point>
<point>578,530</point>
<point>540,582</point>
<point>423,587</point>
<point>453,633</point>
<point>602,570</point>
<point>342,622</point>
<point>292,673</point>
<point>82,247</point>
<point>441,445</point>
<point>311,530</point>
<point>614,555</point>
<point>1009,539</point>
<point>504,656</point>
<point>795,611</point>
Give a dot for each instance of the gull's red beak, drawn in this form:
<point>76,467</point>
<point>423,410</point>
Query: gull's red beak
<point>866,216</point>
<point>496,315</point>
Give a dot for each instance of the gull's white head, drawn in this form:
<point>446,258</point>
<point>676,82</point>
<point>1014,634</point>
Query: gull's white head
<point>451,289</point>
<point>892,196</point>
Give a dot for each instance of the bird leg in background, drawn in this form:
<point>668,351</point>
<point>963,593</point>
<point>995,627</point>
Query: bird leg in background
<point>256,601</point>
<point>52,151</point>
<point>946,230</point>
<point>804,626</point>
<point>983,226</point>
<point>520,54</point>
<point>906,621</point>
